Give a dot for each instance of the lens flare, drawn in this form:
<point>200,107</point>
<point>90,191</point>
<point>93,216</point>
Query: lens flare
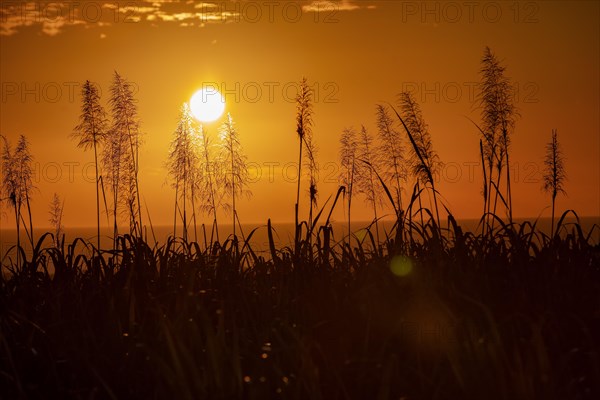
<point>401,265</point>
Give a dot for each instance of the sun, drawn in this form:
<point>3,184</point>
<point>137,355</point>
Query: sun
<point>207,105</point>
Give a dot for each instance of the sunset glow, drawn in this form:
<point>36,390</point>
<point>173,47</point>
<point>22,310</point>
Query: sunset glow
<point>255,53</point>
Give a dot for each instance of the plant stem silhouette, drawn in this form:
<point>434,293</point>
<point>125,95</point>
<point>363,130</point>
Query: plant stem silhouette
<point>348,145</point>
<point>498,114</point>
<point>126,125</point>
<point>425,161</point>
<point>554,172</point>
<point>183,164</point>
<point>117,166</point>
<point>17,182</point>
<point>55,220</point>
<point>211,169</point>
<point>236,170</point>
<point>313,171</point>
<point>366,182</point>
<point>390,153</point>
<point>304,131</point>
<point>90,133</point>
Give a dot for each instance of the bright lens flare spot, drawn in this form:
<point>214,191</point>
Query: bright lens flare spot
<point>401,265</point>
<point>207,105</point>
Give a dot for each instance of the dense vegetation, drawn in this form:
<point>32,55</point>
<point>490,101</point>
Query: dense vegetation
<point>513,315</point>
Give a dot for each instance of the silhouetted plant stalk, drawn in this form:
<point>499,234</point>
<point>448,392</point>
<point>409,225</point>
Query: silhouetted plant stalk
<point>24,160</point>
<point>117,165</point>
<point>484,191</point>
<point>17,183</point>
<point>55,220</point>
<point>211,173</point>
<point>366,181</point>
<point>235,177</point>
<point>348,146</point>
<point>184,168</point>
<point>90,133</point>
<point>554,172</point>
<point>313,172</point>
<point>425,161</point>
<point>498,114</point>
<point>304,131</point>
<point>391,155</point>
<point>125,125</point>
<point>11,191</point>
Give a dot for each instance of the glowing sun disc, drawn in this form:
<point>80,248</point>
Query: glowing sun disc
<point>207,105</point>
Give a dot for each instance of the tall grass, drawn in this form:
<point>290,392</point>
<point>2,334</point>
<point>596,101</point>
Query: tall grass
<point>445,318</point>
<point>183,166</point>
<point>391,154</point>
<point>90,133</point>
<point>126,132</point>
<point>349,168</point>
<point>235,170</point>
<point>17,184</point>
<point>55,220</point>
<point>211,172</point>
<point>554,174</point>
<point>304,122</point>
<point>498,116</point>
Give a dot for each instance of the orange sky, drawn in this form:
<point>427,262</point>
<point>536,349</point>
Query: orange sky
<point>356,53</point>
